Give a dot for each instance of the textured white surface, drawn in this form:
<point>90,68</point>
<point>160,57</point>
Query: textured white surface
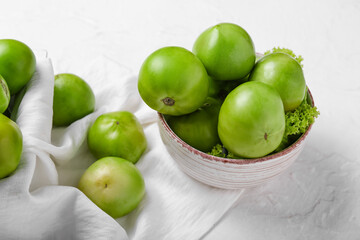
<point>319,195</point>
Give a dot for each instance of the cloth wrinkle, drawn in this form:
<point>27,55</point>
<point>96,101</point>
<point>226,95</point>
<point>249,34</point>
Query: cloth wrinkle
<point>177,206</point>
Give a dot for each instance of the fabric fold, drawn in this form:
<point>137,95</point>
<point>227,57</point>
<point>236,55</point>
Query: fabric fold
<point>32,204</point>
<point>42,196</point>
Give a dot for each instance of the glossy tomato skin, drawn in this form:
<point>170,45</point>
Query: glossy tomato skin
<point>17,64</point>
<point>285,74</point>
<point>10,146</point>
<point>4,95</point>
<point>114,184</point>
<point>173,81</point>
<point>226,50</point>
<point>117,134</point>
<point>73,99</point>
<point>198,129</point>
<point>252,120</point>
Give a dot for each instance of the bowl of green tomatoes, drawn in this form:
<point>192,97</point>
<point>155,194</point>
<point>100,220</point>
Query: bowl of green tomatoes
<point>230,117</point>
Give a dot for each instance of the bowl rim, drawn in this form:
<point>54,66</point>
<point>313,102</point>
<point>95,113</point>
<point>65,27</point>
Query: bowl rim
<point>241,161</point>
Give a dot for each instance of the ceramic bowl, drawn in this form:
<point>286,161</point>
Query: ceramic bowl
<point>224,172</point>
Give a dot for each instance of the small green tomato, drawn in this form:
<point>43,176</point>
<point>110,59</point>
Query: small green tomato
<point>285,74</point>
<point>226,50</point>
<point>17,64</point>
<point>198,129</point>
<point>173,81</point>
<point>73,99</point>
<point>11,144</point>
<point>117,134</point>
<point>252,120</point>
<point>114,184</point>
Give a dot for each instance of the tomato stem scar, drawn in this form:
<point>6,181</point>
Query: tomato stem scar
<point>168,101</point>
<point>265,136</point>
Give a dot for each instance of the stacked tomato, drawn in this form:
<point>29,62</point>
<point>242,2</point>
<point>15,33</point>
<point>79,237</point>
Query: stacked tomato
<point>17,66</point>
<point>220,92</point>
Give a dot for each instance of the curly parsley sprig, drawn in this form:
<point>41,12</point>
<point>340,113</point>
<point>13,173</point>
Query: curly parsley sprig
<point>298,58</point>
<point>220,151</point>
<point>297,122</point>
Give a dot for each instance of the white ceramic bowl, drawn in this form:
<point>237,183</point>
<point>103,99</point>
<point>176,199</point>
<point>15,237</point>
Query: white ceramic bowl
<point>224,172</point>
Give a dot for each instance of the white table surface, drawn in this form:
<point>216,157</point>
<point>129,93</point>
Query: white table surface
<point>319,196</point>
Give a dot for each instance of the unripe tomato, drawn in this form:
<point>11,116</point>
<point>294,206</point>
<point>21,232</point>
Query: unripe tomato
<point>252,120</point>
<point>198,129</point>
<point>17,64</point>
<point>285,74</point>
<point>73,99</point>
<point>10,146</point>
<point>114,184</point>
<point>226,50</point>
<point>117,134</point>
<point>173,81</point>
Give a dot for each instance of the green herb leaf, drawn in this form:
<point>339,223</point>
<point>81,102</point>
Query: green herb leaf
<point>220,151</point>
<point>298,58</point>
<point>297,122</point>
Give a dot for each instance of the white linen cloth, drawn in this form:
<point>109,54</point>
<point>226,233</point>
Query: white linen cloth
<point>41,201</point>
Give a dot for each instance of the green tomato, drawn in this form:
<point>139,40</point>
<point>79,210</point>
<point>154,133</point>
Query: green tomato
<point>227,86</point>
<point>117,134</point>
<point>252,120</point>
<point>17,64</point>
<point>114,184</point>
<point>73,99</point>
<point>198,129</point>
<point>173,81</point>
<point>226,50</point>
<point>10,146</point>
<point>285,74</point>
<point>214,87</point>
<point>4,95</point>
